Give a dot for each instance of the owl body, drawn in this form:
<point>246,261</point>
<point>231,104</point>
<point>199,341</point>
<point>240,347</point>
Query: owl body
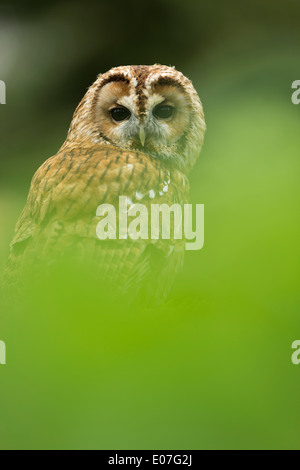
<point>136,133</point>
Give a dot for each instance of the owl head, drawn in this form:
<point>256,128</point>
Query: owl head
<point>150,109</point>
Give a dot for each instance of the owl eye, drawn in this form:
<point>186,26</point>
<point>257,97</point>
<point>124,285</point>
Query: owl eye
<point>163,111</point>
<point>119,114</point>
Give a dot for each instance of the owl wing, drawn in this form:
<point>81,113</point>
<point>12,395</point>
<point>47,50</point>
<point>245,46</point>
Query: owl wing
<point>59,218</point>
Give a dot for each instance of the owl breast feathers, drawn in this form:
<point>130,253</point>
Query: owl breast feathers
<point>136,133</point>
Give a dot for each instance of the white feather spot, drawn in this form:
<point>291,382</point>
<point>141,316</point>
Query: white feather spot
<point>139,196</point>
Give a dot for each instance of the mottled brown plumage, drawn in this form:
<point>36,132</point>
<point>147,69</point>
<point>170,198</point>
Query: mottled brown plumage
<point>93,168</point>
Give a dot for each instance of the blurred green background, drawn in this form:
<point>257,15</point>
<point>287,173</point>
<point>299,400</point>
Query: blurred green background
<point>212,368</point>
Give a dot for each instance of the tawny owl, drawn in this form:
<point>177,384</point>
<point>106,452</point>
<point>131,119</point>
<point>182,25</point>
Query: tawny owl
<point>137,133</point>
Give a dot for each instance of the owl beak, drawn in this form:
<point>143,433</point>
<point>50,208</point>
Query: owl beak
<point>142,135</point>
